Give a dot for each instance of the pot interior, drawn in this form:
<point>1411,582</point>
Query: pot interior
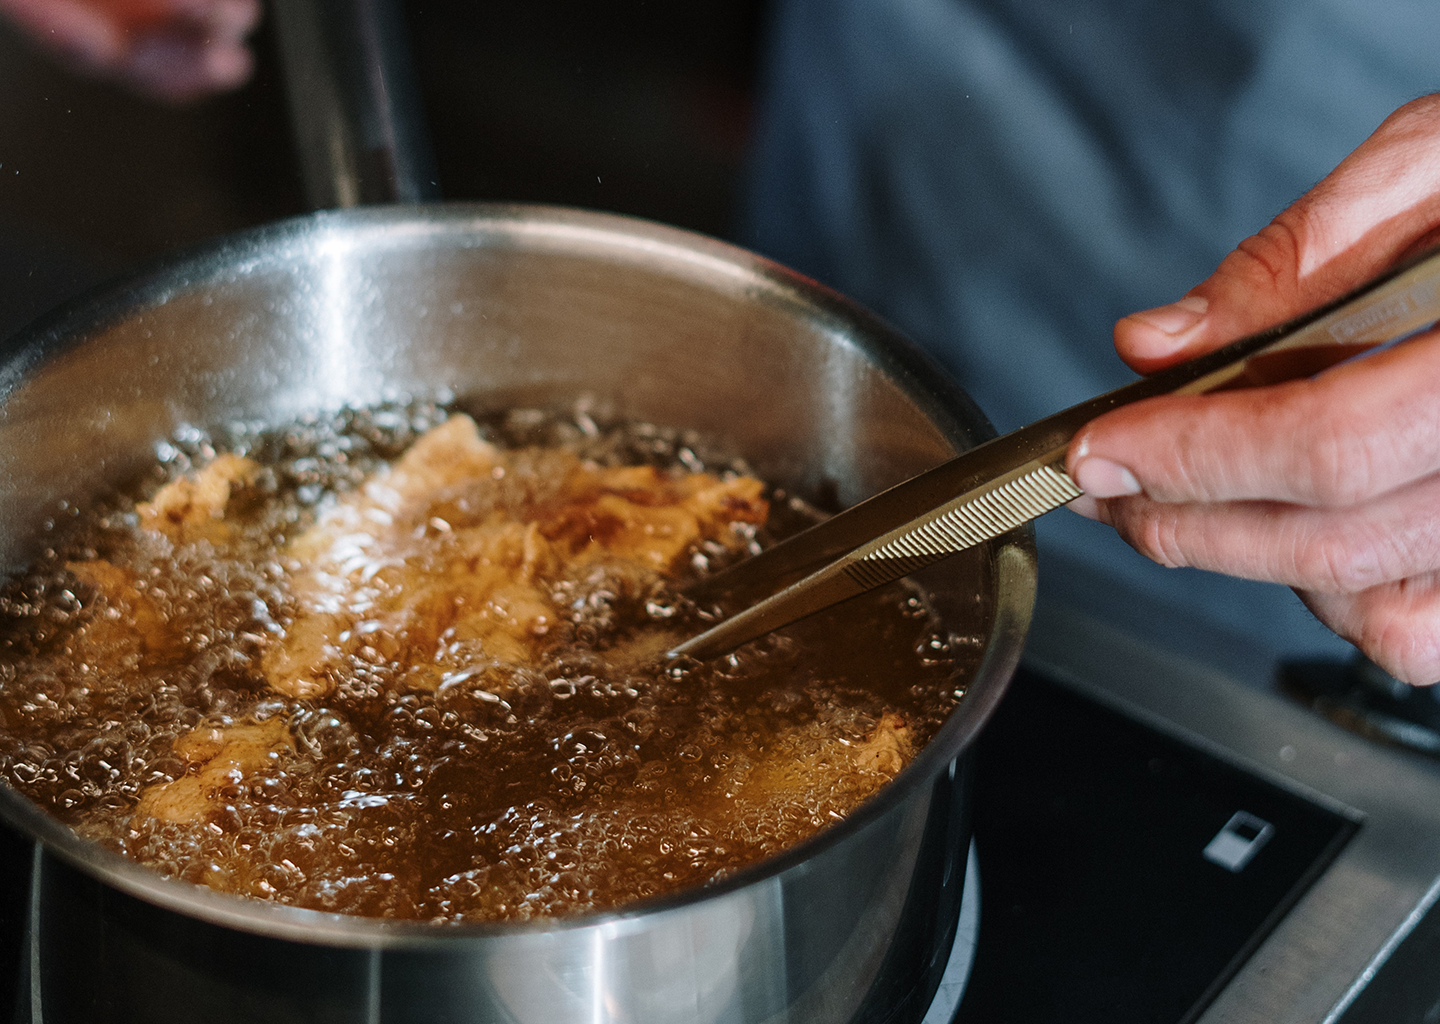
<point>499,307</point>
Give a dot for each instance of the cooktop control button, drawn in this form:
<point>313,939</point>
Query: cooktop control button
<point>1239,841</point>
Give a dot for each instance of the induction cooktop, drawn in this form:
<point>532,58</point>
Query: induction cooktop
<point>1157,842</point>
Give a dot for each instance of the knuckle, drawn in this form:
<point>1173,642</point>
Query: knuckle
<point>1320,566</point>
<point>1273,255</point>
<point>1330,452</point>
<point>1345,560</point>
<point>1155,533</point>
<point>1337,465</point>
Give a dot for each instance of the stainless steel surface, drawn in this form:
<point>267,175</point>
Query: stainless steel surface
<point>1021,476</point>
<point>1327,947</point>
<point>355,105</point>
<point>508,306</point>
<point>962,953</point>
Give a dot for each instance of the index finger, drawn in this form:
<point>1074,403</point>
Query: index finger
<point>1351,433</point>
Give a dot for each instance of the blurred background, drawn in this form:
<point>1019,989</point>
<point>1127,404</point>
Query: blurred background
<point>634,107</point>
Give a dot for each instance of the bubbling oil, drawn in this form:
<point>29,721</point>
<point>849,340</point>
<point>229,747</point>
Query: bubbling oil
<point>578,781</point>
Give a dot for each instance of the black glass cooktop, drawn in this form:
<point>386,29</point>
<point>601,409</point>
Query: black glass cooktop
<point>1125,875</point>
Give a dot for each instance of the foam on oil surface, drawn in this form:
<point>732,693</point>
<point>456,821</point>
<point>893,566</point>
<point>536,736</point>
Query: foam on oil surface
<point>580,781</point>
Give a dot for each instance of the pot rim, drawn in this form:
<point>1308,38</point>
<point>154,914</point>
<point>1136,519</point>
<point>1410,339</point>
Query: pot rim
<point>1013,559</point>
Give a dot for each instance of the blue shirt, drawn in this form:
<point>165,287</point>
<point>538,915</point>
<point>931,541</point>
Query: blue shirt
<point>1004,179</point>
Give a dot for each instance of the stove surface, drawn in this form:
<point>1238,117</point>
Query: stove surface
<point>1158,842</point>
<point>1126,874</point>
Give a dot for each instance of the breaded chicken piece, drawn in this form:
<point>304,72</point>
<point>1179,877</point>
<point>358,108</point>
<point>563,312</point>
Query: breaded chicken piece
<point>796,762</point>
<point>638,514</point>
<point>887,749</point>
<point>193,508</point>
<point>185,510</point>
<point>127,622</point>
<point>447,558</point>
<point>401,496</point>
<point>215,758</point>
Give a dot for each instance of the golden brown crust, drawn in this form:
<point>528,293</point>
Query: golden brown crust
<point>799,766</point>
<point>193,508</point>
<point>887,749</point>
<point>427,568</point>
<point>216,758</point>
<point>127,621</point>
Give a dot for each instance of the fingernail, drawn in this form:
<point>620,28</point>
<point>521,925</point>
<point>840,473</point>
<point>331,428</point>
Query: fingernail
<point>1178,317</point>
<point>1101,478</point>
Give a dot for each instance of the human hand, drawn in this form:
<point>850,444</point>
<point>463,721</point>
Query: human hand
<point>174,50</point>
<point>1331,484</point>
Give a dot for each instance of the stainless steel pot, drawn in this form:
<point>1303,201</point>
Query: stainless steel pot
<point>532,306</point>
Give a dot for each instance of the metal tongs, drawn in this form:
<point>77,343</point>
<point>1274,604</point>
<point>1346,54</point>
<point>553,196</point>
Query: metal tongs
<point>1004,483</point>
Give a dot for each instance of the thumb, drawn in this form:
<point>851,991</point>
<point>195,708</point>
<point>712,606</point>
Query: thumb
<point>1381,203</point>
